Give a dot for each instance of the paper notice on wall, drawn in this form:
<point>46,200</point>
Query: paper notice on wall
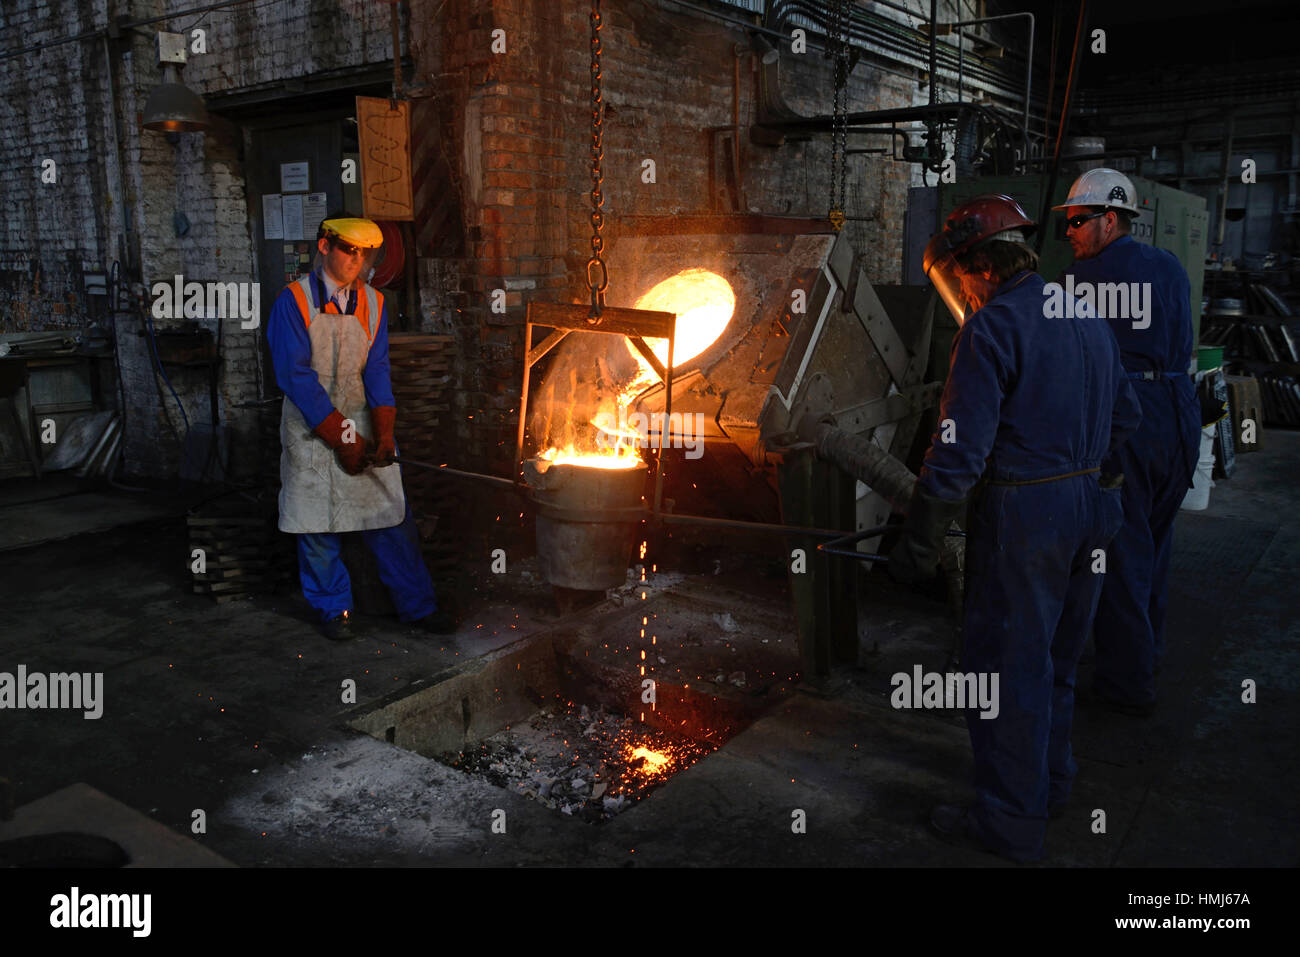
<point>291,209</point>
<point>313,211</point>
<point>294,177</point>
<point>272,220</point>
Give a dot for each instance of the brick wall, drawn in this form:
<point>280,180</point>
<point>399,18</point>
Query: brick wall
<point>50,231</point>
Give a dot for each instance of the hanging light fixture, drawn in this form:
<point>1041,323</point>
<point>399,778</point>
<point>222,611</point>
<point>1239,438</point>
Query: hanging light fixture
<point>173,107</point>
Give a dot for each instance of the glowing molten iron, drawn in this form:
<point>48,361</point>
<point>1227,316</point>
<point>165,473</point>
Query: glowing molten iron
<point>620,458</point>
<point>655,761</point>
<point>704,303</point>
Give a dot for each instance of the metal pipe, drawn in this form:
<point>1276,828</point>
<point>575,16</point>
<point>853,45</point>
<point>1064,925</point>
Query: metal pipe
<point>1223,188</point>
<point>888,36</point>
<point>899,7</point>
<point>125,252</point>
<point>1293,153</point>
<point>961,62</point>
<point>903,113</point>
<point>934,49</point>
<point>900,54</point>
<point>1029,60</point>
<point>1080,28</point>
<point>1051,72</point>
<point>868,463</point>
<point>735,130</point>
<point>397,52</point>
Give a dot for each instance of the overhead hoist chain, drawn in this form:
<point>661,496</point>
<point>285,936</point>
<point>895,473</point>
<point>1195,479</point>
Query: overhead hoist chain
<point>839,51</point>
<point>597,289</point>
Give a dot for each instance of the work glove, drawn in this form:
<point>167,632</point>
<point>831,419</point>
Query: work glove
<point>383,417</point>
<point>916,556</point>
<point>351,455</point>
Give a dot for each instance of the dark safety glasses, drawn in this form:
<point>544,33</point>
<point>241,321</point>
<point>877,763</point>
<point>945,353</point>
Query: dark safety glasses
<point>347,248</point>
<point>1074,222</point>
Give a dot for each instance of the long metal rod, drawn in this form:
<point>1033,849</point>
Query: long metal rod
<point>832,547</point>
<point>673,518</point>
<point>523,397</point>
<point>490,479</point>
<point>668,418</point>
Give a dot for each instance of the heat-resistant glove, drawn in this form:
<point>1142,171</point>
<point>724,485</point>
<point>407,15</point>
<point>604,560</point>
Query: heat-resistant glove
<point>351,455</point>
<point>916,556</point>
<point>383,416</point>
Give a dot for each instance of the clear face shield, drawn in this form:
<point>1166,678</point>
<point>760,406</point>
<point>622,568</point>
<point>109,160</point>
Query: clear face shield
<point>941,269</point>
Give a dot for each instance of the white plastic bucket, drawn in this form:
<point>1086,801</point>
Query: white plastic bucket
<point>1197,498</point>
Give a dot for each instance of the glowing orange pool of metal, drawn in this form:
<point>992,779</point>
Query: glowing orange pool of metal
<point>622,458</point>
<point>704,304</point>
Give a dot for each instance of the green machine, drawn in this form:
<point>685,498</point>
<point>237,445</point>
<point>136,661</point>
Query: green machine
<point>1171,219</point>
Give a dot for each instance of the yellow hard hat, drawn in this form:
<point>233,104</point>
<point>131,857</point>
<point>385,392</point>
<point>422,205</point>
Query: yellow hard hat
<point>359,232</point>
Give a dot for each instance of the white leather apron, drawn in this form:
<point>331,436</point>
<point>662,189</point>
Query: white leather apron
<point>316,495</point>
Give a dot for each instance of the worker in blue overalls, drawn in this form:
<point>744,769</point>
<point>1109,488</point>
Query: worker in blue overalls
<point>1155,342</point>
<point>1032,405</point>
<point>328,334</point>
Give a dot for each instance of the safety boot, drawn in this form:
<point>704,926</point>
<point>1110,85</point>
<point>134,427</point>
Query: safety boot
<point>338,628</point>
<point>954,825</point>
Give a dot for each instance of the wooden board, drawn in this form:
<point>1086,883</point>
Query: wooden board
<point>385,139</point>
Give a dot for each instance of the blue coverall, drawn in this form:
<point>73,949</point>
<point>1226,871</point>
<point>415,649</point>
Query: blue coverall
<point>1158,463</point>
<point>1036,403</point>
<point>325,581</point>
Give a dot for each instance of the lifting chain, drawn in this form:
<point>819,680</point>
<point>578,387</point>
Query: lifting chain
<point>597,289</point>
<point>839,50</point>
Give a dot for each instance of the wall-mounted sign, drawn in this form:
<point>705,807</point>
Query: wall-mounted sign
<point>291,207</point>
<point>294,177</point>
<point>313,211</point>
<point>272,220</point>
<point>385,137</point>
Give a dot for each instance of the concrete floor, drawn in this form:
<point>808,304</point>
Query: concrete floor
<point>236,710</point>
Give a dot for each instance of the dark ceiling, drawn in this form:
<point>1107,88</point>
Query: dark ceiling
<point>1203,34</point>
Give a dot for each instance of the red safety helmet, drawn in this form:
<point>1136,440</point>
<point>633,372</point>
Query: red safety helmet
<point>993,216</point>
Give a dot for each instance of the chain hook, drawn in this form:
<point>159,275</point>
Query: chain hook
<point>597,289</point>
<point>838,50</point>
<point>597,173</point>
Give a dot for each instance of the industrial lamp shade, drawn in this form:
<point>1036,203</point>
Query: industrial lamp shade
<point>174,108</point>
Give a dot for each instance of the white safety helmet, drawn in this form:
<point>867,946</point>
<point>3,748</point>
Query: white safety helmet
<point>1102,187</point>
